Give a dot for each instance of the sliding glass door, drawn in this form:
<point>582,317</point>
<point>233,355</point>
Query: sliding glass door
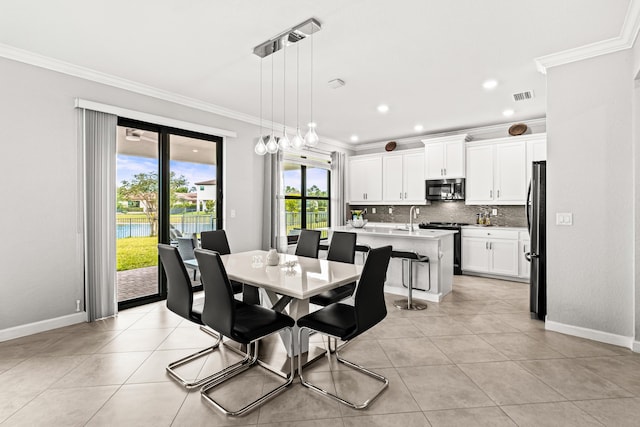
<point>169,185</point>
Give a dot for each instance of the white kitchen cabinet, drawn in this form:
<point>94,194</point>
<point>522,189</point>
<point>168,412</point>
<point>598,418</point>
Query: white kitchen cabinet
<point>365,179</point>
<point>404,178</point>
<point>496,173</point>
<point>490,251</point>
<point>524,246</point>
<point>536,151</point>
<point>445,157</point>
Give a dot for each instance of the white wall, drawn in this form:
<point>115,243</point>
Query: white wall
<point>41,265</point>
<point>636,159</point>
<point>590,173</point>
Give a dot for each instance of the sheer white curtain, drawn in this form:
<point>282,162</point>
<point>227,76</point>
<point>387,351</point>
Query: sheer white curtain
<point>99,141</point>
<point>274,230</point>
<point>338,207</point>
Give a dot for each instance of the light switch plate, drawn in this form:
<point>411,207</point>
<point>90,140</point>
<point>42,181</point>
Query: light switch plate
<point>390,210</point>
<point>233,213</point>
<point>417,211</point>
<point>564,218</point>
<point>494,212</point>
<point>373,210</point>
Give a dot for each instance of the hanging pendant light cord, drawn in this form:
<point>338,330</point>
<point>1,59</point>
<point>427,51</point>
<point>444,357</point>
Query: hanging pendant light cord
<point>284,89</point>
<point>298,85</point>
<point>272,95</point>
<point>311,83</point>
<point>260,98</point>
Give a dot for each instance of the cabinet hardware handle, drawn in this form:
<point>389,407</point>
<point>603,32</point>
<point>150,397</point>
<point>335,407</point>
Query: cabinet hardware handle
<point>405,195</point>
<point>441,172</point>
<point>486,245</point>
<point>491,194</point>
<point>498,194</point>
<point>445,171</point>
<point>401,195</point>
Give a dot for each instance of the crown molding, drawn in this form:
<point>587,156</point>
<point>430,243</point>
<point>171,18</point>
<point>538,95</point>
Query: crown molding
<point>481,132</point>
<point>31,58</point>
<point>461,136</point>
<point>625,40</point>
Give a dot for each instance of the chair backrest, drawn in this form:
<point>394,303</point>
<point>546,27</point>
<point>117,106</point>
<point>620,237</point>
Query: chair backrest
<point>219,304</point>
<point>343,247</point>
<point>308,243</point>
<point>186,245</point>
<point>369,298</point>
<point>215,240</point>
<point>179,290</point>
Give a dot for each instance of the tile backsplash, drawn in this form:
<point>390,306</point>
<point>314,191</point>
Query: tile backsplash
<point>508,216</point>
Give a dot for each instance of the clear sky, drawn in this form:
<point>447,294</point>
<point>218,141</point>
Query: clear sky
<point>128,166</point>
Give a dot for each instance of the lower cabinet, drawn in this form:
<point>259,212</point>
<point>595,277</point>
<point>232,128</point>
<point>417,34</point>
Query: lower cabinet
<point>491,251</point>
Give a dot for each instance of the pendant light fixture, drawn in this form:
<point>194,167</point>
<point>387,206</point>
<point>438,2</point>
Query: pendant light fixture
<point>292,35</point>
<point>260,148</point>
<point>311,138</point>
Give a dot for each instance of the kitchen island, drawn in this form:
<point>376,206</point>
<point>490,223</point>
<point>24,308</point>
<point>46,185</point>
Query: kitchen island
<point>436,244</point>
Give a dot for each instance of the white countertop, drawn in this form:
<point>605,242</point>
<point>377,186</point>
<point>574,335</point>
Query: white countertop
<point>391,230</point>
<point>498,227</point>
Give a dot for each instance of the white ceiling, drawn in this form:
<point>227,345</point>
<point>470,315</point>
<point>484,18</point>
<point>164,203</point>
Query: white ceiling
<point>426,59</point>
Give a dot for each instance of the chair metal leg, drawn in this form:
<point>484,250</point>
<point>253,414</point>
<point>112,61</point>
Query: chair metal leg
<point>233,371</point>
<point>355,366</point>
<point>408,304</point>
<point>197,383</point>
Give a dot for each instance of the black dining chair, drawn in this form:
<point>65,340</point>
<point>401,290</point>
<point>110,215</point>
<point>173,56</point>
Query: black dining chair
<point>346,322</point>
<point>342,249</point>
<point>308,243</point>
<point>186,245</point>
<point>180,301</point>
<point>244,323</point>
<point>216,240</point>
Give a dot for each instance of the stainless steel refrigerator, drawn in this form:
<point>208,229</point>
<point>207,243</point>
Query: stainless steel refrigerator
<point>536,220</point>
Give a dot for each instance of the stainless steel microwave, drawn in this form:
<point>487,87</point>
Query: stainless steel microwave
<point>445,189</point>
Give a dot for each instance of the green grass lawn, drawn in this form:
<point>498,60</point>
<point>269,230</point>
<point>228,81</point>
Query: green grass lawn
<point>136,252</point>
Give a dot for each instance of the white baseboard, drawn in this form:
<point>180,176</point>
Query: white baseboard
<point>425,296</point>
<point>42,326</point>
<point>592,334</point>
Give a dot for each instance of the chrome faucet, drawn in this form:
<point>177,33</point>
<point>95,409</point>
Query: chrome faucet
<point>411,213</point>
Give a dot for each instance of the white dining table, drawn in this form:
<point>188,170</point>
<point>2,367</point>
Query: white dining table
<point>289,285</point>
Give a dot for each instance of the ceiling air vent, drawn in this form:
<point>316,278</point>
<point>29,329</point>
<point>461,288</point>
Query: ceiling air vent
<point>523,96</point>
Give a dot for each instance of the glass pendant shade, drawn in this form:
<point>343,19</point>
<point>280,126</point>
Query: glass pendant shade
<point>297,141</point>
<point>311,138</point>
<point>272,145</point>
<point>284,142</point>
<point>260,149</point>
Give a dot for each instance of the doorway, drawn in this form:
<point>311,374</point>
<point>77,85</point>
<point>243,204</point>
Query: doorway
<point>169,185</point>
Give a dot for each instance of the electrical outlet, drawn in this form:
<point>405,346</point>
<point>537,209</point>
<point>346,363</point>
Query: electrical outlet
<point>417,211</point>
<point>77,305</point>
<point>494,212</point>
<point>373,210</point>
<point>233,213</point>
<point>390,210</point>
<point>564,218</point>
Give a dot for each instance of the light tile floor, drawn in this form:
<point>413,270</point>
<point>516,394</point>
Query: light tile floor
<point>476,359</point>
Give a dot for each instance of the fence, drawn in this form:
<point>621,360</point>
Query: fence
<point>185,224</point>
<point>314,220</point>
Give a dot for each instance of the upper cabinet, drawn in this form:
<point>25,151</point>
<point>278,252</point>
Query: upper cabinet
<point>498,170</point>
<point>445,157</point>
<point>403,178</point>
<point>365,179</point>
<point>396,178</point>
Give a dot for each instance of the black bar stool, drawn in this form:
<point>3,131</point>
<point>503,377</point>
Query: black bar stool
<point>410,257</point>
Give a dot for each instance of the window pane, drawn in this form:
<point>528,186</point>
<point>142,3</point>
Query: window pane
<point>293,218</point>
<point>317,182</point>
<point>193,186</point>
<point>318,215</point>
<point>292,179</point>
<point>137,213</point>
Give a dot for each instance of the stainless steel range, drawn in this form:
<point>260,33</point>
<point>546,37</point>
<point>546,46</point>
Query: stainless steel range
<point>457,240</point>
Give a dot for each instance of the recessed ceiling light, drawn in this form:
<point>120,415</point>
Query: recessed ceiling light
<point>311,124</point>
<point>195,151</point>
<point>354,138</point>
<point>418,128</point>
<point>383,108</point>
<point>507,113</point>
<point>490,84</point>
